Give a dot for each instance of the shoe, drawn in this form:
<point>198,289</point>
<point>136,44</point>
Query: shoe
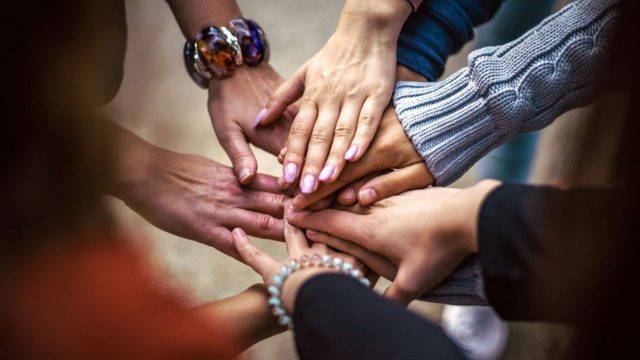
<point>477,330</point>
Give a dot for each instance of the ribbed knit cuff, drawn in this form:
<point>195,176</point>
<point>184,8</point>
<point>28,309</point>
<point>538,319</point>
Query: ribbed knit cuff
<point>448,123</point>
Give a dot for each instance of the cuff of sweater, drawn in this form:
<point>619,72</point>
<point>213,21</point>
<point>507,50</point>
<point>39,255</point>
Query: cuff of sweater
<point>449,123</point>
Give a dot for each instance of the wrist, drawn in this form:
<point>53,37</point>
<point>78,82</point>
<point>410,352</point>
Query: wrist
<point>373,16</point>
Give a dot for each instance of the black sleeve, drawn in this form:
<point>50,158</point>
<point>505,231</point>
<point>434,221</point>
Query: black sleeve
<point>338,318</point>
<point>547,254</point>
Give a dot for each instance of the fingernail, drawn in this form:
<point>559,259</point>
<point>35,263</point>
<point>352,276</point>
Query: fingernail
<point>238,232</point>
<point>290,172</point>
<point>308,183</point>
<point>259,117</point>
<point>368,196</point>
<point>311,232</point>
<point>351,153</point>
<point>348,194</point>
<point>327,172</point>
<point>244,174</point>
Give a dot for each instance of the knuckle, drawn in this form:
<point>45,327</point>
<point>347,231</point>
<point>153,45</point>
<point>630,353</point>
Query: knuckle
<point>343,131</point>
<point>331,92</point>
<point>367,120</point>
<point>266,222</point>
<point>309,96</point>
<point>298,130</point>
<point>320,135</point>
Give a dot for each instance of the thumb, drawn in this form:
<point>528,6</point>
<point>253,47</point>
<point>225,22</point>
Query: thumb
<point>406,287</point>
<point>412,177</point>
<point>286,94</point>
<point>260,262</point>
<point>237,148</point>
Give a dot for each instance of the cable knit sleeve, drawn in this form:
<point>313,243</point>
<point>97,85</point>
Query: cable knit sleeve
<point>507,90</point>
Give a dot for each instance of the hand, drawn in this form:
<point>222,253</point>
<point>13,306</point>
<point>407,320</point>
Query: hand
<point>194,197</point>
<point>390,149</point>
<point>426,233</point>
<point>345,88</point>
<point>233,103</point>
<point>297,246</point>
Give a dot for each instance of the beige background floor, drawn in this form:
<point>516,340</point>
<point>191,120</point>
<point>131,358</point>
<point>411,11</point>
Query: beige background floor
<point>159,102</point>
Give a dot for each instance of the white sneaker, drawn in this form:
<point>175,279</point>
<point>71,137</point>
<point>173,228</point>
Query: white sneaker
<point>477,330</point>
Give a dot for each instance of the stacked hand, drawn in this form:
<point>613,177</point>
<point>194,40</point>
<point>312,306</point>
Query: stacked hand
<point>424,233</point>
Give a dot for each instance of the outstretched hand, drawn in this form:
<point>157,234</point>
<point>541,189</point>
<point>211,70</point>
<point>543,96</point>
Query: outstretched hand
<point>426,233</point>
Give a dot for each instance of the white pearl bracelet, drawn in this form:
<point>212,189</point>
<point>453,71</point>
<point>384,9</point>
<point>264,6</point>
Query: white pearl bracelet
<point>275,289</point>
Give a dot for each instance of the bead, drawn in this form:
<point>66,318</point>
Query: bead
<point>274,301</point>
<point>233,41</point>
<point>293,264</point>
<point>316,259</point>
<point>336,262</point>
<point>252,40</point>
<point>215,52</point>
<point>284,271</point>
<point>304,261</point>
<point>284,320</point>
<point>356,273</point>
<point>277,280</point>
<point>365,282</point>
<point>195,68</point>
<point>278,311</point>
<point>273,290</point>
<point>346,267</point>
<point>326,260</point>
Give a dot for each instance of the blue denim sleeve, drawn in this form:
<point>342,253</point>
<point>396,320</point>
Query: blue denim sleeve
<point>438,29</point>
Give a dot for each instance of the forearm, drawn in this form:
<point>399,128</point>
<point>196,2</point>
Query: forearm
<point>374,20</point>
<point>246,316</point>
<point>195,15</point>
<point>507,90</point>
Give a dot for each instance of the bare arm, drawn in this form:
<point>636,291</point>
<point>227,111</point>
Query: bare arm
<point>194,15</point>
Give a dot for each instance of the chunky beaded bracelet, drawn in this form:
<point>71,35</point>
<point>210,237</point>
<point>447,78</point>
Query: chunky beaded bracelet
<point>275,289</point>
<point>217,51</point>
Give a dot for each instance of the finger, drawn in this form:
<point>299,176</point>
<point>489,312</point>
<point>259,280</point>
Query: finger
<point>254,223</point>
<point>281,155</point>
<point>237,148</point>
<point>406,287</point>
<point>296,241</point>
<point>323,204</point>
<point>286,94</point>
<point>368,164</point>
<point>263,182</point>
<point>220,238</point>
<point>319,247</point>
<point>342,136</point>
<point>375,262</point>
<point>339,223</point>
<point>368,122</point>
<point>264,202</point>
<point>251,255</point>
<point>318,147</point>
<point>299,138</point>
<point>415,176</point>
<point>348,196</point>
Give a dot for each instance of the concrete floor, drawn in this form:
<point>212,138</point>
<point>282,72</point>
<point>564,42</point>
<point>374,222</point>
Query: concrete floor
<point>159,102</point>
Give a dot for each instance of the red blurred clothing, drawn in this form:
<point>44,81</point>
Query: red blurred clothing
<point>96,300</point>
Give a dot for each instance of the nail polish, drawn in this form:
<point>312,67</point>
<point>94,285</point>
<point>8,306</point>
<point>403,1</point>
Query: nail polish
<point>368,196</point>
<point>308,183</point>
<point>351,153</point>
<point>290,172</point>
<point>327,172</point>
<point>259,117</point>
<point>244,174</point>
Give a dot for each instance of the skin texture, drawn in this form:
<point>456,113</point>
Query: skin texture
<point>425,234</point>
<point>390,149</point>
<point>297,246</point>
<point>344,90</point>
<point>194,197</point>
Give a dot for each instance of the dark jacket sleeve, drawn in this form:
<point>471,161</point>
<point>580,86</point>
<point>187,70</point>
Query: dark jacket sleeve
<point>438,29</point>
<point>549,254</point>
<point>338,318</point>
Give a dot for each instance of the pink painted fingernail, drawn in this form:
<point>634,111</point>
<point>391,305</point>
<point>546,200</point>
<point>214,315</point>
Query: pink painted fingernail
<point>308,183</point>
<point>290,172</point>
<point>259,117</point>
<point>327,172</point>
<point>351,153</point>
<point>368,196</point>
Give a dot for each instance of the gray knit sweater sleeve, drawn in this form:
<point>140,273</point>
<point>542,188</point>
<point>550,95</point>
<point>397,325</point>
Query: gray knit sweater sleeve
<point>507,90</point>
